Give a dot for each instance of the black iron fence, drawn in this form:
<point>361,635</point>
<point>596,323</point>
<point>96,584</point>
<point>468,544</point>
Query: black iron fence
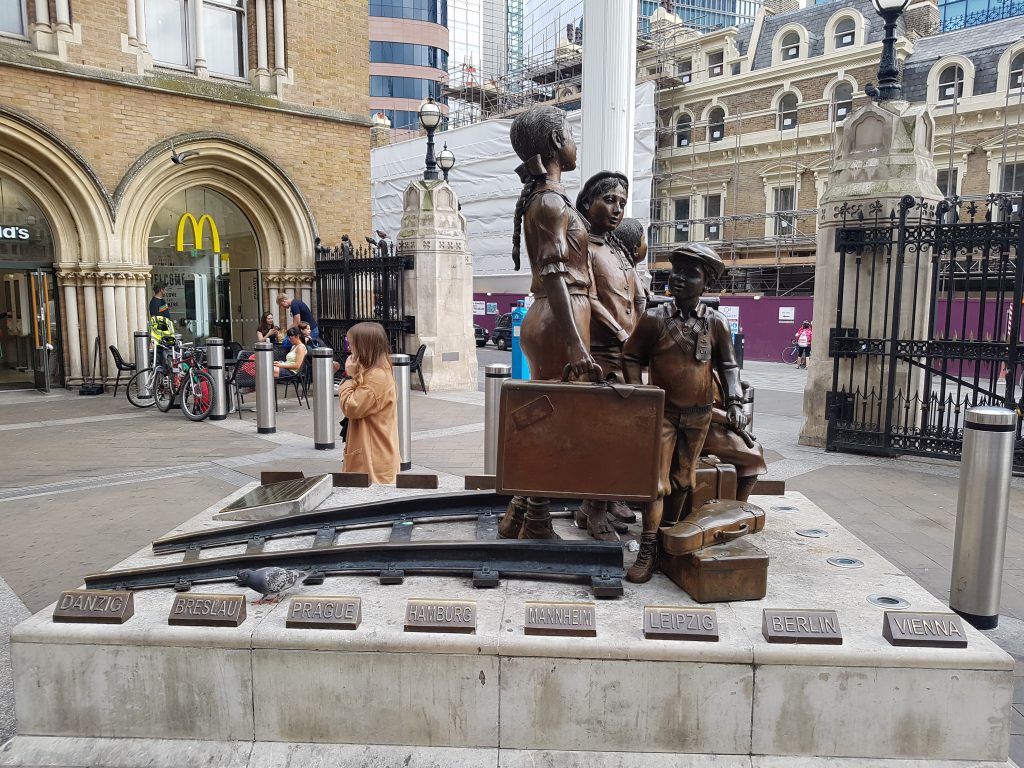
<point>355,285</point>
<point>928,323</point>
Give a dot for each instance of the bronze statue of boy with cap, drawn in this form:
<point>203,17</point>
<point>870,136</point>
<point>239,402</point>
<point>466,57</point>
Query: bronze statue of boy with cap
<point>682,343</point>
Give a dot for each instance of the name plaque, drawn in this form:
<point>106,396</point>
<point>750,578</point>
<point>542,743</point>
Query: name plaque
<point>192,610</point>
<point>811,627</point>
<point>666,622</point>
<point>324,613</point>
<point>458,616</point>
<point>94,606</point>
<point>561,619</point>
<point>924,630</point>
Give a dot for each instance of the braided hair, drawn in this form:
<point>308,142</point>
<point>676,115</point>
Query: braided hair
<point>530,136</point>
<point>630,233</point>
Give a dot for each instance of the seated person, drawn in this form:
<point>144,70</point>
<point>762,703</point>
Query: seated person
<point>292,363</point>
<point>268,330</point>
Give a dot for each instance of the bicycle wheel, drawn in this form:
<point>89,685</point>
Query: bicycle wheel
<point>140,389</point>
<point>163,388</point>
<point>790,354</point>
<point>197,395</point>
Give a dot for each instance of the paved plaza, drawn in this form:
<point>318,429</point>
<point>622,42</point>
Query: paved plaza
<point>86,481</point>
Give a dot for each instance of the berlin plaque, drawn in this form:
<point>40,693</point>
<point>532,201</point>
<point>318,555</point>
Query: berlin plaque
<point>810,627</point>
<point>440,616</point>
<point>94,606</point>
<point>324,613</point>
<point>666,622</point>
<point>562,619</point>
<point>924,630</point>
<point>192,610</point>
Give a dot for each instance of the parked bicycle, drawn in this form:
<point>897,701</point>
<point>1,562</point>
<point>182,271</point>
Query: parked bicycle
<point>141,384</point>
<point>791,353</point>
<point>183,374</point>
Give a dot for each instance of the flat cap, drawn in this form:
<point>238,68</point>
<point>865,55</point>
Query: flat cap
<point>705,254</point>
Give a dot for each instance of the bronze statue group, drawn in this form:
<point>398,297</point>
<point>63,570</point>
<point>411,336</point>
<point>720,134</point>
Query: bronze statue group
<point>590,317</point>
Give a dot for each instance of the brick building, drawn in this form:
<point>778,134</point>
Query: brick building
<point>93,207</point>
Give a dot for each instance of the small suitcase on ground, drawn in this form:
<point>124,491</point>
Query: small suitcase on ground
<point>715,522</point>
<point>737,570</point>
<point>579,440</point>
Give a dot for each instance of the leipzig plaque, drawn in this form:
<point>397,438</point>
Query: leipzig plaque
<point>94,606</point>
<point>192,610</point>
<point>667,622</point>
<point>924,630</point>
<point>424,615</point>
<point>562,619</point>
<point>809,627</point>
<point>324,613</point>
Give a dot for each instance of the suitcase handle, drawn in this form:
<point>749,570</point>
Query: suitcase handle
<point>598,373</point>
<point>730,535</point>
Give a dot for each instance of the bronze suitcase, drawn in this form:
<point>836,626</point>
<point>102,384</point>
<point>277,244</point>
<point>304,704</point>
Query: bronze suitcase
<point>715,522</point>
<point>579,440</point>
<point>715,480</point>
<point>737,570</point>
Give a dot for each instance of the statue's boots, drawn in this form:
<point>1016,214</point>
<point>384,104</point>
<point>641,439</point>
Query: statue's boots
<point>646,559</point>
<point>537,522</point>
<point>744,486</point>
<point>582,513</point>
<point>598,525</point>
<point>512,521</point>
<point>619,511</point>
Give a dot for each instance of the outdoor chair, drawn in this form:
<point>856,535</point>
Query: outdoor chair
<point>122,366</point>
<point>243,378</point>
<point>299,382</point>
<point>417,366</point>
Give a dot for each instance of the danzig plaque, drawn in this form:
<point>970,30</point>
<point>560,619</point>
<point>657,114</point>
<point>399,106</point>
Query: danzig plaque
<point>440,616</point>
<point>564,619</point>
<point>193,610</point>
<point>813,627</point>
<point>666,622</point>
<point>324,613</point>
<point>94,606</point>
<point>924,630</point>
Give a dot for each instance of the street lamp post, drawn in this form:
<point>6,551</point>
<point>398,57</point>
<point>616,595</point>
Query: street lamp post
<point>446,160</point>
<point>890,75</point>
<point>430,118</point>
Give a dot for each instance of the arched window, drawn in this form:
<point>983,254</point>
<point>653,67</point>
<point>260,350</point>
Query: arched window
<point>788,112</point>
<point>845,34</point>
<point>842,102</point>
<point>1017,71</point>
<point>790,46</point>
<point>951,83</point>
<point>716,124</point>
<point>684,130</point>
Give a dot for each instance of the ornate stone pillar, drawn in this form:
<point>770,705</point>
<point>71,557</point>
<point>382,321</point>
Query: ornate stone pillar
<point>72,332</point>
<point>63,16</point>
<point>274,292</point>
<point>262,47</point>
<point>141,304</point>
<point>140,23</point>
<point>91,313</point>
<point>133,35</point>
<point>123,329</point>
<point>109,318</point>
<point>200,39</point>
<point>279,70</point>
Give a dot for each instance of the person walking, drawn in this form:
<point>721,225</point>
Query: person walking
<point>369,401</point>
<point>803,344</point>
<point>300,312</point>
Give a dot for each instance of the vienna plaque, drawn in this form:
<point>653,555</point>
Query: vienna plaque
<point>94,606</point>
<point>666,622</point>
<point>924,630</point>
<point>440,616</point>
<point>810,627</point>
<point>324,613</point>
<point>562,619</point>
<point>194,610</point>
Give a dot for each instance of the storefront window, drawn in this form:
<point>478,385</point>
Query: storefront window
<point>24,232</point>
<point>203,248</point>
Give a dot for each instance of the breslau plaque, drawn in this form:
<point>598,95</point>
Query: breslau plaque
<point>808,627</point>
<point>924,630</point>
<point>563,619</point>
<point>425,615</point>
<point>324,613</point>
<point>667,622</point>
<point>94,606</point>
<point>194,610</point>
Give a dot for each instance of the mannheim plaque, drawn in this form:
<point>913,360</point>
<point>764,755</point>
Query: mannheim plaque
<point>563,619</point>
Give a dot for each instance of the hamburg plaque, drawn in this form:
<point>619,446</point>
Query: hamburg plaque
<point>324,613</point>
<point>810,627</point>
<point>440,616</point>
<point>94,606</point>
<point>192,610</point>
<point>666,622</point>
<point>562,619</point>
<point>924,630</point>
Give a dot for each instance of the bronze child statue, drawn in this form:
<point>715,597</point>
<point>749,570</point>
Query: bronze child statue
<point>682,342</point>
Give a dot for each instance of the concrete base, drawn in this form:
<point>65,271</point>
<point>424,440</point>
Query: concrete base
<point>501,697</point>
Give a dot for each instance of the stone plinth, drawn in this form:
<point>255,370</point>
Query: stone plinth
<point>439,291</point>
<point>379,695</point>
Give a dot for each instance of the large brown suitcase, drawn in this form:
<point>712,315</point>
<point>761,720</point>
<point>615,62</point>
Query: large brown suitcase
<point>579,440</point>
<point>715,522</point>
<point>737,570</point>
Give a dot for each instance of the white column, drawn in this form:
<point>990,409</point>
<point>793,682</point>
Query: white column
<point>133,35</point>
<point>71,337</point>
<point>63,15</point>
<point>609,82</point>
<point>141,307</point>
<point>279,38</point>
<point>200,38</point>
<point>140,22</point>
<point>91,317</point>
<point>109,319</point>
<point>261,38</point>
<point>274,293</point>
<point>42,13</point>
<point>307,297</point>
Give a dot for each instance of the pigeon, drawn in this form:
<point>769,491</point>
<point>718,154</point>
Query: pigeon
<point>872,92</point>
<point>270,582</point>
<point>180,158</point>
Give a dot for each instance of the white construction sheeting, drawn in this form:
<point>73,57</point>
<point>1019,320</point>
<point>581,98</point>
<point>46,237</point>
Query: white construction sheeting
<point>484,179</point>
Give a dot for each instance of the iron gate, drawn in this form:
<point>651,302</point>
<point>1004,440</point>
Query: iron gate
<point>926,325</point>
<point>359,285</point>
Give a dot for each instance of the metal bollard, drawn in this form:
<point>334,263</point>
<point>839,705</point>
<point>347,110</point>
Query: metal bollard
<point>495,374</point>
<point>400,365</point>
<point>142,362</point>
<point>266,392</point>
<point>748,405</point>
<point>981,514</point>
<point>215,366</point>
<point>323,398</point>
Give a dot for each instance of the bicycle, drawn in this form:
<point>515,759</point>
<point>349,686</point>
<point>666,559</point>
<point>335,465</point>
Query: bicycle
<point>791,353</point>
<point>185,377</point>
<point>141,384</point>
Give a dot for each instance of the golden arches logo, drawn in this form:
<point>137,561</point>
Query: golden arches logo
<point>198,228</point>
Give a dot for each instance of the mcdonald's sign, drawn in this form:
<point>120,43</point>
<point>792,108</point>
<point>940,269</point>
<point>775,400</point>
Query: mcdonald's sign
<point>198,228</point>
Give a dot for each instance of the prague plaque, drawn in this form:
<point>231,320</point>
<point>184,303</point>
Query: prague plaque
<point>457,616</point>
<point>192,610</point>
<point>924,630</point>
<point>810,627</point>
<point>665,622</point>
<point>562,619</point>
<point>94,606</point>
<point>324,613</point>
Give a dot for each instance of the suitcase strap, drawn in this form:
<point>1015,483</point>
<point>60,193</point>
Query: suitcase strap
<point>692,336</point>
